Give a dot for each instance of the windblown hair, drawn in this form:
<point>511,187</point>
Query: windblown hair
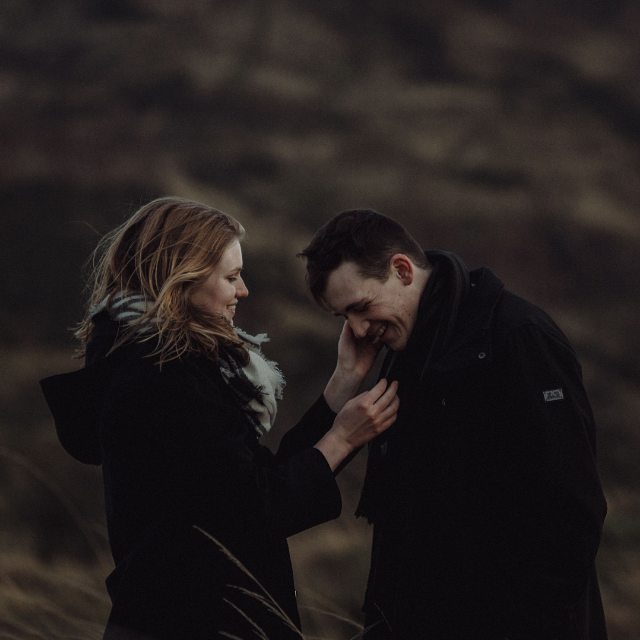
<point>163,251</point>
<point>362,236</point>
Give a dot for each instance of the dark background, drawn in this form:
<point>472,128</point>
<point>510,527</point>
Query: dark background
<point>505,131</point>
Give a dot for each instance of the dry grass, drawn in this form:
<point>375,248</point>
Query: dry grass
<point>54,558</point>
<point>62,600</point>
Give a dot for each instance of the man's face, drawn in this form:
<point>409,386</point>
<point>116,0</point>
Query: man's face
<point>377,310</point>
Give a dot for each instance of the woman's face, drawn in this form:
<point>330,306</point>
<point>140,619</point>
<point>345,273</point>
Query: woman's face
<point>220,292</point>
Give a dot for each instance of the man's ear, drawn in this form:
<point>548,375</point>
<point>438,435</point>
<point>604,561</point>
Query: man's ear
<point>402,267</point>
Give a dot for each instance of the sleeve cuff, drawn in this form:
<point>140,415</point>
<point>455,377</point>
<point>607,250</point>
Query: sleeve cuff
<point>314,496</point>
<point>312,426</point>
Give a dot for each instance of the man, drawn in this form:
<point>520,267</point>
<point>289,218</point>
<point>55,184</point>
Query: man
<point>484,495</point>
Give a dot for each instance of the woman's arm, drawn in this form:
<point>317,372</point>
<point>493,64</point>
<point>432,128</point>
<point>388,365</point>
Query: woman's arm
<point>213,467</point>
<point>303,491</point>
<point>355,359</point>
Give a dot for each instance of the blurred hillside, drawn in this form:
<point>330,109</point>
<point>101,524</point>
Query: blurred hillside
<point>505,131</point>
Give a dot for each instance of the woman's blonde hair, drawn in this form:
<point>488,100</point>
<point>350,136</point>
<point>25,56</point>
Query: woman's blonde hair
<point>165,249</point>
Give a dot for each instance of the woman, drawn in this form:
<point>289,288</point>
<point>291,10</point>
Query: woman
<point>171,403</point>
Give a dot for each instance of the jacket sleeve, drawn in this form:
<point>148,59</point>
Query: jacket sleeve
<point>310,490</point>
<point>312,426</point>
<point>215,466</point>
<point>560,505</point>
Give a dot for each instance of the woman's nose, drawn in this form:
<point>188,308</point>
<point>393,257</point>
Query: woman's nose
<point>242,291</point>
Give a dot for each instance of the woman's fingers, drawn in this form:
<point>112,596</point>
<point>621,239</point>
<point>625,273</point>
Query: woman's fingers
<point>381,395</point>
<point>372,408</point>
<point>360,420</point>
<point>391,408</point>
<point>379,405</point>
<point>389,393</point>
<point>378,389</point>
<point>388,415</point>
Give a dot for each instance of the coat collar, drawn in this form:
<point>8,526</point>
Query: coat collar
<point>472,336</point>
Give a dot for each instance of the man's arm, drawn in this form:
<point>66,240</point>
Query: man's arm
<point>563,505</point>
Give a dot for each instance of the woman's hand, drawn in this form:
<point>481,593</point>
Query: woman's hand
<point>355,355</point>
<point>355,358</point>
<point>361,419</point>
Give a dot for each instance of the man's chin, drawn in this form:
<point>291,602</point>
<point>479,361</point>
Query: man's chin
<point>395,344</point>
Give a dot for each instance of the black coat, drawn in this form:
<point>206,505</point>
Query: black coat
<point>485,495</point>
<point>180,458</point>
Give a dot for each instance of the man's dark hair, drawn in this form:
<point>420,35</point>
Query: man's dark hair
<point>362,236</point>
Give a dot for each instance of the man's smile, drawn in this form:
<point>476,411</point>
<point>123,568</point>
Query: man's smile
<point>377,335</point>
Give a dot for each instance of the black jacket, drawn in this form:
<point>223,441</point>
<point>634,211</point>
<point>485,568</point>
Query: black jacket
<point>485,495</point>
<point>181,465</point>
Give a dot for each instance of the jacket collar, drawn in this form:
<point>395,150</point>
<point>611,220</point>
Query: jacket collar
<point>472,336</point>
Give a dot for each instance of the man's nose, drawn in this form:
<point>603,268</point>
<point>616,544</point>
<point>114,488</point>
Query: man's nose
<point>358,326</point>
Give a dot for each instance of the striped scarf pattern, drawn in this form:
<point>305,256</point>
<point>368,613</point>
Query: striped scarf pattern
<point>256,386</point>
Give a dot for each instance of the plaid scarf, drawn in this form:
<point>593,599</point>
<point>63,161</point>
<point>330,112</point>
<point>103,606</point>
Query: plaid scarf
<point>257,386</point>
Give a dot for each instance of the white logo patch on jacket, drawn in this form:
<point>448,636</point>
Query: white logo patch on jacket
<point>553,394</point>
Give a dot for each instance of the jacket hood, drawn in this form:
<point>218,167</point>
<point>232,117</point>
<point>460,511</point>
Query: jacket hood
<point>75,400</point>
